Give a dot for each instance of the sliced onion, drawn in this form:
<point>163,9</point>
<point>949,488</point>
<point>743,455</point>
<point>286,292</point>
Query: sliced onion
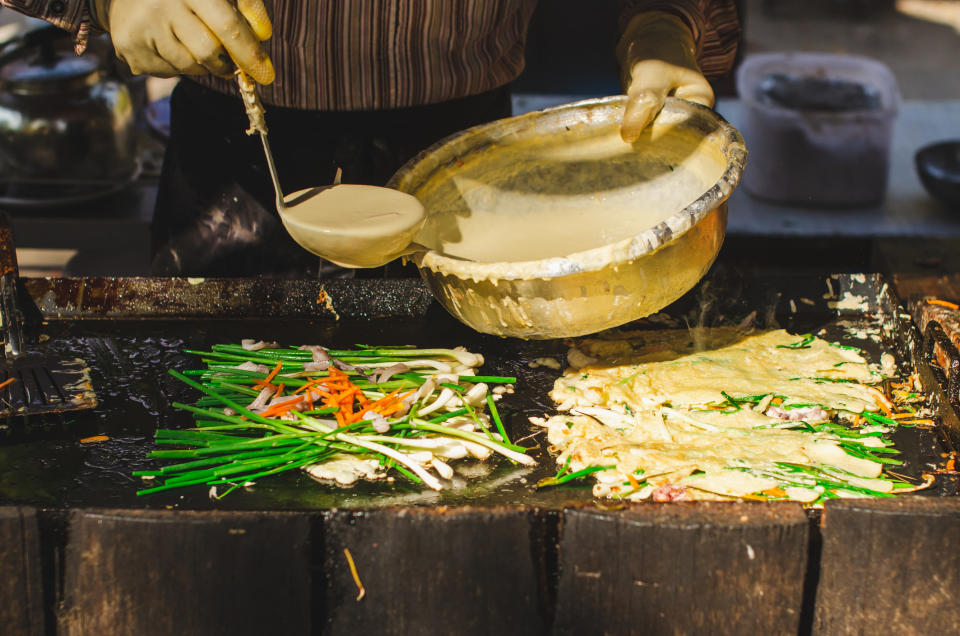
<point>377,420</point>
<point>253,366</point>
<point>445,396</point>
<point>382,375</point>
<point>249,344</point>
<point>261,400</point>
<point>319,353</point>
<point>806,413</point>
<point>477,395</point>
<point>343,366</point>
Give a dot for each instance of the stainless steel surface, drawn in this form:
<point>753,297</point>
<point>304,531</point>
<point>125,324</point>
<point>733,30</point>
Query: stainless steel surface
<point>256,115</point>
<point>272,167</point>
<point>61,117</point>
<point>31,383</point>
<point>11,318</point>
<point>47,194</point>
<point>375,234</point>
<point>588,291</point>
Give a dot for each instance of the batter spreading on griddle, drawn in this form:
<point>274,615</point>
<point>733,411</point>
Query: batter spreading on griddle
<point>745,416</point>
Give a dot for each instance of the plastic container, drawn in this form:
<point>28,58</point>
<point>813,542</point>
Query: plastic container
<point>818,127</point>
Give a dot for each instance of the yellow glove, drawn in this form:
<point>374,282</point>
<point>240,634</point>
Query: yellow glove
<point>657,58</point>
<point>188,37</point>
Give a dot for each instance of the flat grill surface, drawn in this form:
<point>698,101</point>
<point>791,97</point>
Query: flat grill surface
<point>43,462</point>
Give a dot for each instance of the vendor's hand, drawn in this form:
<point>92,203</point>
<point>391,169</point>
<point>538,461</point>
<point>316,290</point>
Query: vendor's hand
<point>657,58</point>
<point>188,37</point>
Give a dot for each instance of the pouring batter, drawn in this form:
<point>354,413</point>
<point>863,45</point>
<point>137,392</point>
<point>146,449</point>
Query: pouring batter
<point>360,84</point>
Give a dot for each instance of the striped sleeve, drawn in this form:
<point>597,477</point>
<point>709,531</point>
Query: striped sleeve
<point>343,55</point>
<point>714,24</point>
<point>70,15</point>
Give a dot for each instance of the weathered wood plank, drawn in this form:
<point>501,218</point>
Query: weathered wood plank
<point>890,566</point>
<point>434,571</point>
<point>176,572</point>
<point>682,569</point>
<point>21,593</point>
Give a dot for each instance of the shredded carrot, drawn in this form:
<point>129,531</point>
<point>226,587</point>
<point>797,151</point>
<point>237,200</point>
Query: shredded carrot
<point>94,439</point>
<point>918,422</point>
<point>6,382</point>
<point>309,385</point>
<point>280,388</point>
<point>273,373</point>
<point>900,416</point>
<point>282,407</point>
<point>354,574</point>
<point>943,303</point>
<point>882,401</point>
<point>385,399</point>
<point>393,408</point>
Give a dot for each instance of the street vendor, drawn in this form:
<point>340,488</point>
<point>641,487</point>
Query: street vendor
<point>362,85</point>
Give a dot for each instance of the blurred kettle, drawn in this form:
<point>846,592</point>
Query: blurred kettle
<point>62,116</point>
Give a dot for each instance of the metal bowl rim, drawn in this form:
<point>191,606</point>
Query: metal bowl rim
<point>629,249</point>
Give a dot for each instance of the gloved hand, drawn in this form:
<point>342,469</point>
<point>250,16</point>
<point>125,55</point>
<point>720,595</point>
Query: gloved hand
<point>188,37</point>
<point>657,58</point>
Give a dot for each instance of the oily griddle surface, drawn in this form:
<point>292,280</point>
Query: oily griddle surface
<point>43,463</point>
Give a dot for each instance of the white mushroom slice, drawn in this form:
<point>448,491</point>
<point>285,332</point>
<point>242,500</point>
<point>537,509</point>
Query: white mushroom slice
<point>346,469</point>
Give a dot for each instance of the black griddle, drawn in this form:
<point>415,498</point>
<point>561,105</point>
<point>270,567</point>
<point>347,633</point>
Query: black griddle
<point>494,556</point>
<point>129,355</point>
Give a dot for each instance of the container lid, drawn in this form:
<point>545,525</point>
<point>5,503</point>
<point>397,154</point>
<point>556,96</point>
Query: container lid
<point>46,68</point>
<point>824,85</point>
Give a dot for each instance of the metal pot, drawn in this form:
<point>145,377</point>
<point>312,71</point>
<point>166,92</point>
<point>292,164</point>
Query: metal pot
<point>574,150</point>
<point>61,116</point>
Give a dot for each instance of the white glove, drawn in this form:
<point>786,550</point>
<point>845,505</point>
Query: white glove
<point>188,37</point>
<point>657,58</point>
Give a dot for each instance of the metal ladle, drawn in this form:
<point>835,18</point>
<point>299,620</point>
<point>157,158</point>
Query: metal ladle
<point>351,225</point>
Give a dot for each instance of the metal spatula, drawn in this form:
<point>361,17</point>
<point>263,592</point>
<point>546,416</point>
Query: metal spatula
<point>32,383</point>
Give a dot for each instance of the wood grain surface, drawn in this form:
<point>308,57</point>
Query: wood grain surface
<point>21,598</point>
<point>706,568</point>
<point>890,566</point>
<point>148,572</point>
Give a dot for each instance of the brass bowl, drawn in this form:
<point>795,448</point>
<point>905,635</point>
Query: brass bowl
<point>512,177</point>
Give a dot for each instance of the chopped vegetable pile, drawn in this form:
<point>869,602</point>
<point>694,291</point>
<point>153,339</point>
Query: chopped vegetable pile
<point>718,414</point>
<point>340,415</point>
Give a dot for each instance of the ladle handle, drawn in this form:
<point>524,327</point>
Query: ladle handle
<point>256,114</point>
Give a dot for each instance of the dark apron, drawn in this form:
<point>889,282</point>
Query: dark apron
<point>215,212</point>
